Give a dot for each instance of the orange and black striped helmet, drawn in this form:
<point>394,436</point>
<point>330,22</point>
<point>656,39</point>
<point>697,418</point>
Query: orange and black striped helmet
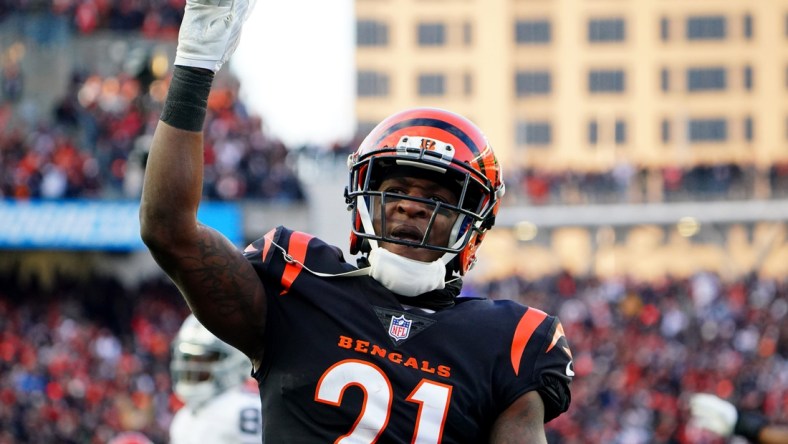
<point>438,144</point>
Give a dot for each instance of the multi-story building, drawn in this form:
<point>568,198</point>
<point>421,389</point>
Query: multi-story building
<point>583,84</point>
<point>594,86</point>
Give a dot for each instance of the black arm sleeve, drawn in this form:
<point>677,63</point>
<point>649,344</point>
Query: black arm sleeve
<point>555,396</point>
<point>749,425</point>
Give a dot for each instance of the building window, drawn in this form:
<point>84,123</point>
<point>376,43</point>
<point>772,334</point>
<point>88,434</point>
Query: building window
<point>747,77</point>
<point>748,129</point>
<point>664,80</point>
<point>372,84</point>
<point>467,34</point>
<point>786,25</point>
<point>432,34</point>
<point>467,84</point>
<point>786,78</point>
<point>534,133</point>
<point>606,30</point>
<point>603,81</point>
<point>664,29</point>
<point>529,83</point>
<point>593,132</point>
<point>532,31</point>
<point>665,130</point>
<point>372,33</point>
<point>432,85</point>
<point>706,28</point>
<point>621,132</point>
<point>708,130</point>
<point>705,79</point>
<point>747,26</point>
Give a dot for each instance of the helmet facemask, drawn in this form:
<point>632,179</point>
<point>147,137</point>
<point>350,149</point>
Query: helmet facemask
<point>203,366</point>
<point>469,211</point>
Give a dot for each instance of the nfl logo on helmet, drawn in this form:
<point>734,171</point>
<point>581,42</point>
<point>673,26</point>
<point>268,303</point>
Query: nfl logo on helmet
<point>399,328</point>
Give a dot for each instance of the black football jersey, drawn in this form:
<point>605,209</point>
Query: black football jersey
<point>346,362</point>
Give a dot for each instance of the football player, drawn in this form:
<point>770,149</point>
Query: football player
<point>209,376</point>
<point>712,413</point>
<point>381,352</point>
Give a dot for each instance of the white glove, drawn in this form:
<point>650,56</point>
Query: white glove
<point>210,32</point>
<point>712,413</point>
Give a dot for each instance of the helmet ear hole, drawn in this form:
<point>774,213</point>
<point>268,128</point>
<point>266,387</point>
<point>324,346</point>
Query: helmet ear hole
<point>488,223</point>
<point>467,258</point>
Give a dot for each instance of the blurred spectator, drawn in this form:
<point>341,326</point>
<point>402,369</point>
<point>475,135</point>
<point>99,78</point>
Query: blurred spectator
<point>12,83</point>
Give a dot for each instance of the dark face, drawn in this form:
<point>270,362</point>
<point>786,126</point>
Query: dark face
<point>408,220</point>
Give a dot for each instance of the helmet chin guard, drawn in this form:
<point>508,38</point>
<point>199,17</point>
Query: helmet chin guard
<point>437,145</point>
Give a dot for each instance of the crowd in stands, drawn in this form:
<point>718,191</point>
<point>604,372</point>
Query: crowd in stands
<point>81,361</point>
<point>50,20</point>
<point>639,348</point>
<point>626,183</point>
<point>96,145</point>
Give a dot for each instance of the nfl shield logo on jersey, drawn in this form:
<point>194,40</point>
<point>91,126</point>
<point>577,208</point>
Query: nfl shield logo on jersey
<point>399,328</point>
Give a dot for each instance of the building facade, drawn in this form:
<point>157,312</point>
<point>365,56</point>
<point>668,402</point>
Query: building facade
<point>586,84</point>
<point>664,99</point>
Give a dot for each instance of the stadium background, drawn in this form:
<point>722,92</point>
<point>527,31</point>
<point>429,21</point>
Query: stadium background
<point>670,277</point>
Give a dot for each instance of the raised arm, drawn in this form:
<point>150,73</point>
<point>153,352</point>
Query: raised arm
<point>218,283</point>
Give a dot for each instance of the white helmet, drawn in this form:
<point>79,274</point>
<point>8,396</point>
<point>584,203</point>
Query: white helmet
<point>204,366</point>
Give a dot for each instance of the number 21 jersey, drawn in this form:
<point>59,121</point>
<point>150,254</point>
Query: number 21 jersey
<point>346,362</point>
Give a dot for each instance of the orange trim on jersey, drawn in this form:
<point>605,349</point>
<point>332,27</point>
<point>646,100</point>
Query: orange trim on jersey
<point>558,334</point>
<point>296,250</point>
<point>522,334</point>
<point>269,239</point>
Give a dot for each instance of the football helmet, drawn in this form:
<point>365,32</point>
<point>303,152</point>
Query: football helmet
<point>430,143</point>
<point>203,366</point>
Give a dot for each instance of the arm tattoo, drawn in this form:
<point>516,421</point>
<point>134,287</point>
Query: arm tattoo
<point>218,277</point>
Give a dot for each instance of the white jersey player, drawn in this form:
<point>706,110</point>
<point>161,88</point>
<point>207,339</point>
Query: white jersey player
<point>209,376</point>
